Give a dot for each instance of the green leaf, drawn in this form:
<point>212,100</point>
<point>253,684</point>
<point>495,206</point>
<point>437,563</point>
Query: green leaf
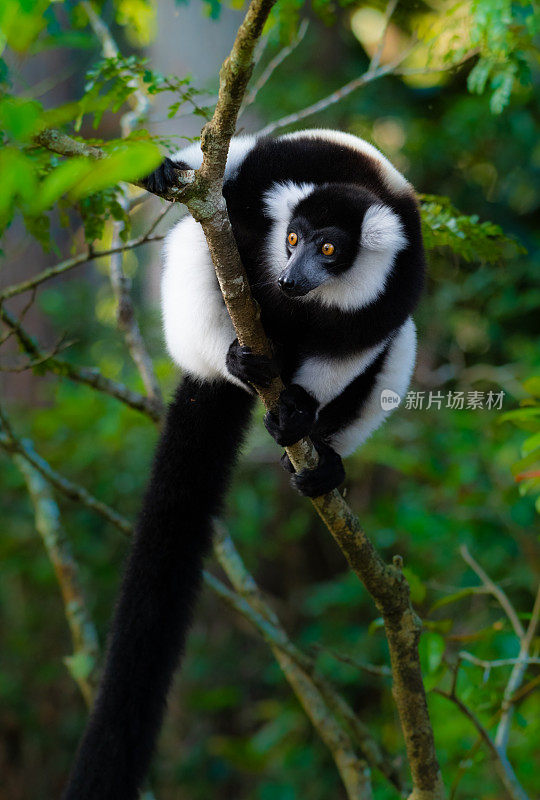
<point>532,386</point>
<point>128,164</point>
<point>453,598</point>
<point>531,445</point>
<point>60,181</point>
<point>19,118</point>
<point>431,649</point>
<point>80,665</point>
<point>417,587</point>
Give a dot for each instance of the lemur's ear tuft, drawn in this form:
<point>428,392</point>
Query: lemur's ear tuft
<point>281,200</point>
<point>382,230</point>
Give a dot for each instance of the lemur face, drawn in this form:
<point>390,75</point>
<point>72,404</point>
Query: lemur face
<point>315,254</point>
<point>330,230</point>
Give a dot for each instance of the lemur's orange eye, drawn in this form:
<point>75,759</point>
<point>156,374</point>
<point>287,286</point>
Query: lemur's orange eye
<point>328,249</point>
<point>292,238</point>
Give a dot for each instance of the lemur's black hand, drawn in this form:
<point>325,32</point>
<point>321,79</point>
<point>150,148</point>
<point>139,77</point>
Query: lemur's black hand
<point>295,416</point>
<point>327,475</point>
<point>249,367</point>
<point>164,177</point>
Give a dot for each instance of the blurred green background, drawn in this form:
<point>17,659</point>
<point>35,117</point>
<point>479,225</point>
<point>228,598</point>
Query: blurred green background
<point>427,482</point>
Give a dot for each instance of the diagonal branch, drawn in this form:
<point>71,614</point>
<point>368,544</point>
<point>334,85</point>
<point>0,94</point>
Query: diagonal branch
<point>75,261</point>
<point>377,55</point>
<point>272,65</point>
<point>386,583</point>
<point>273,631</point>
<point>90,376</point>
<point>12,443</point>
<point>495,590</point>
<point>354,773</point>
<point>516,678</point>
<point>82,665</point>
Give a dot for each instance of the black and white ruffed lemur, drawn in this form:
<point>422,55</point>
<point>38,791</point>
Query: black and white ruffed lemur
<point>329,234</point>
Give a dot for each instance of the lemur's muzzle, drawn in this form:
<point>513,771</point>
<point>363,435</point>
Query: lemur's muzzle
<point>304,271</point>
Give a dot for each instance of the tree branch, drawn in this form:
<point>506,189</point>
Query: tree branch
<point>354,774</point>
<point>82,665</point>
<point>12,443</point>
<point>273,64</point>
<point>75,261</point>
<point>503,767</point>
<point>386,584</point>
<point>245,586</point>
<point>90,376</point>
<point>494,590</point>
<point>516,678</point>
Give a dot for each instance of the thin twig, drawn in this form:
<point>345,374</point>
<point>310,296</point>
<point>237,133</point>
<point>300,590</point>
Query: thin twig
<point>14,444</point>
<point>367,77</point>
<point>495,590</point>
<point>503,767</point>
<point>272,65</point>
<point>82,665</point>
<point>90,376</point>
<point>75,261</point>
<point>376,60</point>
<point>516,678</point>
<point>500,662</point>
<point>380,671</point>
<point>127,320</point>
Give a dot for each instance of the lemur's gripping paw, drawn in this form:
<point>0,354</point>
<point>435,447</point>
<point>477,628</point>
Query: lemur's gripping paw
<point>249,367</point>
<point>163,177</point>
<point>327,475</point>
<point>295,416</point>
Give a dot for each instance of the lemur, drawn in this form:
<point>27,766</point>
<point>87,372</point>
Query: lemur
<point>329,234</point>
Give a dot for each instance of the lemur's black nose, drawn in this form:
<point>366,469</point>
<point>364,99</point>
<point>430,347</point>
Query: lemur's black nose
<point>288,285</point>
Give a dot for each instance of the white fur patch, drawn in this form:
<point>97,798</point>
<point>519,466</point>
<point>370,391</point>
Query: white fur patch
<point>382,230</point>
<point>393,178</point>
<point>198,329</point>
<point>395,375</point>
<point>238,150</point>
<point>325,378</point>
<point>280,202</point>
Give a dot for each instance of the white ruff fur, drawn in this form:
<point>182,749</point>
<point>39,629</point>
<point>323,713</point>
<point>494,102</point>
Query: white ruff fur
<point>381,240</point>
<point>396,375</point>
<point>197,326</point>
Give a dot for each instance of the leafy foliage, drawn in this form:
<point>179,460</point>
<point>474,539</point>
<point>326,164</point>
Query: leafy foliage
<point>526,471</point>
<point>504,33</point>
<point>466,236</point>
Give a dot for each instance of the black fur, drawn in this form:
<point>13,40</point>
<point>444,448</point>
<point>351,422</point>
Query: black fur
<point>327,475</point>
<point>165,176</point>
<point>249,367</point>
<point>192,468</point>
<point>295,417</point>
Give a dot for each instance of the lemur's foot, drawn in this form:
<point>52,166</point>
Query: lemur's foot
<point>249,367</point>
<point>295,416</point>
<point>163,177</point>
<point>327,475</point>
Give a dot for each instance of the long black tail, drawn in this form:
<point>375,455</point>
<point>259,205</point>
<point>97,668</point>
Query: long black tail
<point>191,473</point>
